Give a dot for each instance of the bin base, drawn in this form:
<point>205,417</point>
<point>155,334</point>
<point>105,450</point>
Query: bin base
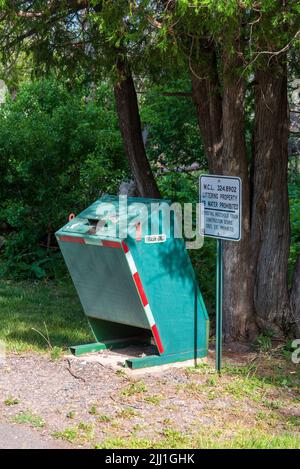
<point>78,350</point>
<point>139,362</point>
<point>157,360</point>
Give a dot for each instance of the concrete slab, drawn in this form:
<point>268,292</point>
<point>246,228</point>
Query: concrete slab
<point>115,359</point>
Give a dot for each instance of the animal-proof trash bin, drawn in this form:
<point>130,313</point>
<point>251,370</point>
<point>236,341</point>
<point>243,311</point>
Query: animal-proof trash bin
<point>141,288</point>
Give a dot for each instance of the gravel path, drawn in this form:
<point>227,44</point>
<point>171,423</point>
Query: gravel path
<point>85,402</point>
<point>19,437</point>
<point>63,399</point>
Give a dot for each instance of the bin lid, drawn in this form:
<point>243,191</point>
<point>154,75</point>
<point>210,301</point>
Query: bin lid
<point>102,218</point>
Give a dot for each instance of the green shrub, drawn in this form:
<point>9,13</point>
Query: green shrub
<point>294,198</point>
<point>171,121</point>
<point>59,150</point>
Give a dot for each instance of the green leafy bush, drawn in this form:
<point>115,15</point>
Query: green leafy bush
<point>59,150</point>
<point>171,121</point>
<point>294,197</point>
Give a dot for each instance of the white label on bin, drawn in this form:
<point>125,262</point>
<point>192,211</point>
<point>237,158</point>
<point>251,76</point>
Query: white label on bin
<point>160,238</point>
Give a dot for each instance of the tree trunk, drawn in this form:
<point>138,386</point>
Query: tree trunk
<point>130,126</point>
<point>270,228</point>
<point>221,123</point>
<point>208,102</point>
<point>295,299</point>
<point>239,322</point>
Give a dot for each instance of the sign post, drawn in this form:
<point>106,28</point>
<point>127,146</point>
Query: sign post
<point>219,298</point>
<point>222,200</point>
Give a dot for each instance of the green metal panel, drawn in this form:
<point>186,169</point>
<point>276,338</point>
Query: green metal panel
<point>155,360</point>
<point>173,294</point>
<point>109,295</point>
<point>103,281</point>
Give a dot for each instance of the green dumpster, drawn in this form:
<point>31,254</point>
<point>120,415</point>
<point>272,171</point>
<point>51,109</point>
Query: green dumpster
<point>135,289</point>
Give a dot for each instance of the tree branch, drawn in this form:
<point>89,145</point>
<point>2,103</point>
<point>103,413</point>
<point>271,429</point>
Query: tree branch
<point>273,53</point>
<point>178,93</point>
<point>28,14</point>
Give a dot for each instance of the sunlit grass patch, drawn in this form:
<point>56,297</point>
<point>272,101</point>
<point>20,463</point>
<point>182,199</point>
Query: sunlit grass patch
<point>29,418</point>
<point>10,401</point>
<point>81,433</point>
<point>138,387</point>
<point>27,307</point>
<point>172,439</point>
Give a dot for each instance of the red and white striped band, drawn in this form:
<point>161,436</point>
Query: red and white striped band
<point>96,242</point>
<point>142,294</point>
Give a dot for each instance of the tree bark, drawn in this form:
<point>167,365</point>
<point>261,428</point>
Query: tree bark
<point>130,127</point>
<point>239,322</point>
<point>270,227</point>
<point>221,123</point>
<point>208,102</point>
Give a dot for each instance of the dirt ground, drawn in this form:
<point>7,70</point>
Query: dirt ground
<point>93,402</point>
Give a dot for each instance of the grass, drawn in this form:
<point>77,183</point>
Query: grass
<point>275,373</point>
<point>25,306</point>
<point>263,342</point>
<point>10,401</point>
<point>134,388</point>
<point>56,353</point>
<point>155,399</point>
<point>258,440</point>
<point>126,413</point>
<point>104,418</point>
<point>294,420</point>
<point>175,440</point>
<point>242,388</point>
<point>93,410</point>
<point>81,433</point>
<point>68,434</point>
<point>273,405</point>
<point>27,417</point>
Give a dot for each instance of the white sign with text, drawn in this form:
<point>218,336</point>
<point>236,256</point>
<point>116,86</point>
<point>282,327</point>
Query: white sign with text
<point>221,197</point>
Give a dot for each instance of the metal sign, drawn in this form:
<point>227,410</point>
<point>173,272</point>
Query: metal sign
<point>222,200</point>
<point>221,197</point>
